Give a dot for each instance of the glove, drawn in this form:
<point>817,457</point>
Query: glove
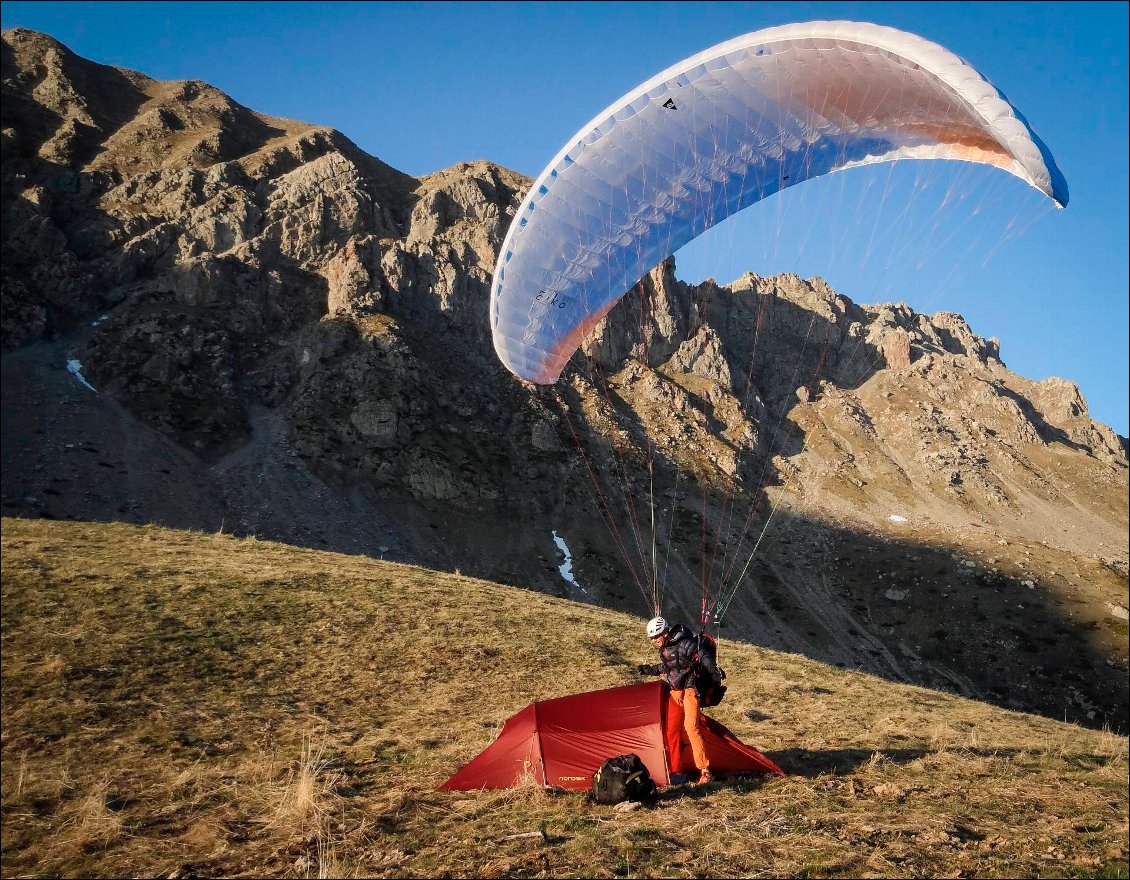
<point>647,669</point>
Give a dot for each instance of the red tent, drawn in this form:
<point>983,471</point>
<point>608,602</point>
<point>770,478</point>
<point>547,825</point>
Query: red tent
<point>562,742</point>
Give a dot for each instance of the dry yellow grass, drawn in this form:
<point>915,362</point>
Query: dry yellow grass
<point>177,703</point>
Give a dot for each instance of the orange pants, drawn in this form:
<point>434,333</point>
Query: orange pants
<point>685,716</point>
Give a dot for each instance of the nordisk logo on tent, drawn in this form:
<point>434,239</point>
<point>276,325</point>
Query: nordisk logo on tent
<point>571,778</point>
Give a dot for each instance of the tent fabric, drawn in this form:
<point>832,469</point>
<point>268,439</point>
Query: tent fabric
<point>561,742</point>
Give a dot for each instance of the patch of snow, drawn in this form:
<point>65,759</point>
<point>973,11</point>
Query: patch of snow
<point>566,567</point>
<point>74,366</point>
<point>894,517</point>
<point>98,320</point>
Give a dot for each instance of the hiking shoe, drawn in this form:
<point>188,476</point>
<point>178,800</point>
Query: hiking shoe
<point>705,777</point>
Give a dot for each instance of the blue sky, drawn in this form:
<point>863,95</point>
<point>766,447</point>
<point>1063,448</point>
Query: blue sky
<point>425,85</point>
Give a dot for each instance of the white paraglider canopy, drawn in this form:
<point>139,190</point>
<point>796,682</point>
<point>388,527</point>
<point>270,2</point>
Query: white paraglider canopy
<point>713,135</point>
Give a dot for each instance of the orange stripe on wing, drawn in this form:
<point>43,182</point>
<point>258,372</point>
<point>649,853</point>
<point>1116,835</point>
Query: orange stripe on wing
<point>558,356</point>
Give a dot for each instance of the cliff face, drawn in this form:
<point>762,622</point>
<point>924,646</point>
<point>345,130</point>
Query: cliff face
<point>289,338</point>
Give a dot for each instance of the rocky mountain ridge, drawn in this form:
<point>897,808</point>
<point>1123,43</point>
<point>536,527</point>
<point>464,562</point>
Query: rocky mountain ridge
<point>288,338</point>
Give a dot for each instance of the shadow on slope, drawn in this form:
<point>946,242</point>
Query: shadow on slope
<point>1039,639</point>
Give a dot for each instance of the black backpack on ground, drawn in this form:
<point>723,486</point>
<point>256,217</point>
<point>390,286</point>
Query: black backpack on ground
<point>624,778</point>
<point>710,688</point>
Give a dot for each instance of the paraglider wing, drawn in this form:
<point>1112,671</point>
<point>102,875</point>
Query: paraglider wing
<point>717,133</point>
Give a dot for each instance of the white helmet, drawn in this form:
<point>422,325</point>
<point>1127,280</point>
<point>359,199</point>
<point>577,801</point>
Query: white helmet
<point>656,626</point>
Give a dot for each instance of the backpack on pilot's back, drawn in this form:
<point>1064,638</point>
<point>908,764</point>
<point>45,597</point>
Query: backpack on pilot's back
<point>710,688</point>
<point>623,778</point>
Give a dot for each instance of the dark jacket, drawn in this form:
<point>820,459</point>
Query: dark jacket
<point>677,658</point>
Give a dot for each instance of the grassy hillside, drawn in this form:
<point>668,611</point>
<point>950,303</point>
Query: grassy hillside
<point>180,704</point>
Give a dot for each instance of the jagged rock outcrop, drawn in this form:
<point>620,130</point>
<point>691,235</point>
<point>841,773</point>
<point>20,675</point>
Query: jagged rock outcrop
<point>294,327</point>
